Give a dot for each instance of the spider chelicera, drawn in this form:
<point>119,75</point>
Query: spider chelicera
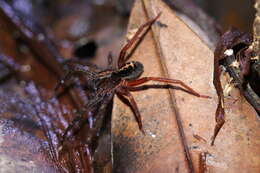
<point>121,80</point>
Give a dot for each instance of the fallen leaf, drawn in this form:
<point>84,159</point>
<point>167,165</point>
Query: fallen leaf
<point>172,117</point>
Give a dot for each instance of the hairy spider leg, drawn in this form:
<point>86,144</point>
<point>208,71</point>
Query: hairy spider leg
<point>124,86</point>
<point>166,80</point>
<point>80,120</point>
<point>121,59</point>
<point>124,92</point>
<point>71,125</point>
<point>62,81</point>
<point>75,69</point>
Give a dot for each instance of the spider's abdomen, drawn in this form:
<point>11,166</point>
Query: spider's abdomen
<point>129,71</point>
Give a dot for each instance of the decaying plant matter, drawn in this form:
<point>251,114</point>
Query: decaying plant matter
<point>234,48</point>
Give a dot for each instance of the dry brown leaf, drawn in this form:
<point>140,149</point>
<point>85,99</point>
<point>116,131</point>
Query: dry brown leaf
<point>176,52</point>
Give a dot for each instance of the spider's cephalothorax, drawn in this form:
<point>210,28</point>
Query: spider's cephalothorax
<point>131,70</point>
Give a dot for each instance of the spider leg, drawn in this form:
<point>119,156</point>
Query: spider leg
<point>71,126</point>
<point>79,121</point>
<point>121,59</point>
<point>62,81</point>
<point>166,80</point>
<point>75,69</point>
<point>124,92</point>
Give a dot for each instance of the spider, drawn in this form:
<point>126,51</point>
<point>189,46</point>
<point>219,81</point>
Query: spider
<point>122,80</point>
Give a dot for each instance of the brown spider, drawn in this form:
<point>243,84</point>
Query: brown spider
<point>121,80</point>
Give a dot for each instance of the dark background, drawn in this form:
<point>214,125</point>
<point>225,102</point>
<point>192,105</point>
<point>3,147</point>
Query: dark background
<point>238,13</point>
<point>105,21</point>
